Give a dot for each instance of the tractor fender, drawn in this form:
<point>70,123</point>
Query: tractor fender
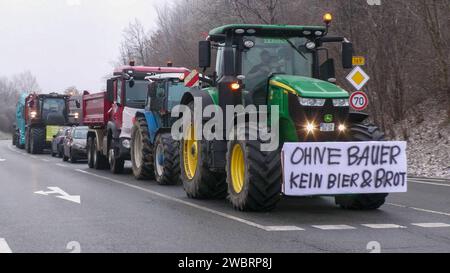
<point>357,117</point>
<point>197,92</point>
<point>153,123</point>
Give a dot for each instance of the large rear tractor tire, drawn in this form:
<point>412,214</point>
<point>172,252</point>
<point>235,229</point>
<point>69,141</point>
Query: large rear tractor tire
<point>37,141</point>
<point>167,160</point>
<point>27,141</point>
<point>141,150</point>
<point>198,180</point>
<point>253,175</point>
<point>363,132</point>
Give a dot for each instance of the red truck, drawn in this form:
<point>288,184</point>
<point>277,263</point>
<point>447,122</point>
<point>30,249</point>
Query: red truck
<point>110,114</point>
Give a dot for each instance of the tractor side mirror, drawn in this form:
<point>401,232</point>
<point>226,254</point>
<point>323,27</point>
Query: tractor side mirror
<point>131,82</point>
<point>327,70</point>
<point>347,55</point>
<point>110,90</point>
<point>78,104</point>
<point>204,54</point>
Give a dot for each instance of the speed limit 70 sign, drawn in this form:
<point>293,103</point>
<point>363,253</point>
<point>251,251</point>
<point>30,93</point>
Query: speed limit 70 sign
<point>359,101</point>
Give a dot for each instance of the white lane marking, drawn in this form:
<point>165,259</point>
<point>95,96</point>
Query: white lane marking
<point>334,227</point>
<point>4,247</point>
<point>222,214</point>
<point>445,180</point>
<point>61,165</point>
<point>45,160</point>
<point>2,160</point>
<point>428,183</point>
<point>431,225</point>
<point>419,209</point>
<point>62,194</point>
<point>383,226</point>
<point>282,228</point>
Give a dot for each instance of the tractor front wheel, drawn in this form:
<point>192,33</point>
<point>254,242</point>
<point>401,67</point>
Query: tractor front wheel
<point>116,164</point>
<point>363,132</point>
<point>253,175</point>
<point>167,160</point>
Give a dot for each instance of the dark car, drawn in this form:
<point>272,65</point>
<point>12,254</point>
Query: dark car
<point>58,142</point>
<point>75,144</point>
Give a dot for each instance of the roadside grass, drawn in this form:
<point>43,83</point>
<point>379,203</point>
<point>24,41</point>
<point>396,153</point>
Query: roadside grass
<point>4,136</point>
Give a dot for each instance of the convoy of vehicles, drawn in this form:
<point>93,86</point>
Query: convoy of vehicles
<point>154,154</point>
<point>109,115</point>
<point>260,65</point>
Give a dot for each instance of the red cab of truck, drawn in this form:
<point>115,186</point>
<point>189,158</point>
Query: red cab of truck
<point>109,114</point>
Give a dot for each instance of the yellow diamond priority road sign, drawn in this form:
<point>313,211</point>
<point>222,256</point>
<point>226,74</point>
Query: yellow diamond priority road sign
<point>358,78</point>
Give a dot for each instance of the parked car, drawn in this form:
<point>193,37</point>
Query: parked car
<point>75,144</point>
<point>58,142</point>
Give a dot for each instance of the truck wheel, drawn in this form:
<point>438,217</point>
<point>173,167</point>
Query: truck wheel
<point>27,141</point>
<point>363,132</point>
<point>253,175</point>
<point>116,165</point>
<point>65,158</point>
<point>14,138</point>
<point>198,181</point>
<point>100,162</point>
<point>72,157</point>
<point>37,141</point>
<point>141,150</point>
<point>167,160</point>
<point>90,151</point>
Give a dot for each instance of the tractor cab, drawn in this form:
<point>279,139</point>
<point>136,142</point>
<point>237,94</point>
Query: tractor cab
<point>282,65</point>
<point>48,109</point>
<point>164,93</point>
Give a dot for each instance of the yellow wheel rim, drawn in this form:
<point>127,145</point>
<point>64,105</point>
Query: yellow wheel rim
<point>237,168</point>
<point>190,153</point>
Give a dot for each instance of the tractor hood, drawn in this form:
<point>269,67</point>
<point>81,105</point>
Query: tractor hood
<point>308,87</point>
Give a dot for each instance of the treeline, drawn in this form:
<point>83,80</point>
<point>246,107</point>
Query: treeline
<point>10,89</point>
<point>405,42</point>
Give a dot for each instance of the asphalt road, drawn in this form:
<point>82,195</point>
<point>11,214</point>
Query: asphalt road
<point>101,212</point>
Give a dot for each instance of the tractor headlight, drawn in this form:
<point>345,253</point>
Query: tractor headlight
<point>33,114</point>
<point>312,102</point>
<point>341,103</point>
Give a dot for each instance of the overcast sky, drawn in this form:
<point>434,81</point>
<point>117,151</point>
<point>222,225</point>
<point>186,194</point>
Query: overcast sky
<point>67,42</point>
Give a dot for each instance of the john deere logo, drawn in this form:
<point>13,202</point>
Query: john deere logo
<point>328,118</point>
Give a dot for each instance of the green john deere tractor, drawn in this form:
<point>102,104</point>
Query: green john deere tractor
<point>281,65</point>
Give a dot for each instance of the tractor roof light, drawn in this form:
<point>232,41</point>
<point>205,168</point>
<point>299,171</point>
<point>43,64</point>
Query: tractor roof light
<point>327,18</point>
<point>310,45</point>
<point>235,86</point>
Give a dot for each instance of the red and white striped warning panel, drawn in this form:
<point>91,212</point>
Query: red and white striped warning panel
<point>191,78</point>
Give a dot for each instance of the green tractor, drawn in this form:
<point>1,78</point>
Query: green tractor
<point>269,65</point>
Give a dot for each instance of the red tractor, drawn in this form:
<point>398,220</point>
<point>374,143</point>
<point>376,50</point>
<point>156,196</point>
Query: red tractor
<point>110,115</point>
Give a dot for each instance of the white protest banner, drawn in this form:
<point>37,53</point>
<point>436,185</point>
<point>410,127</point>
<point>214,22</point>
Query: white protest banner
<point>333,168</point>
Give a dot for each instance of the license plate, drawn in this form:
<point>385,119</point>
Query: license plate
<point>327,127</point>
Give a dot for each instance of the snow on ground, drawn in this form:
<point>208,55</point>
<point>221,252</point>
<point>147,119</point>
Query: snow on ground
<point>429,139</point>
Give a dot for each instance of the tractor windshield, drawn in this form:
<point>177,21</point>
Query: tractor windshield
<point>54,110</point>
<point>136,96</point>
<point>275,55</point>
<point>176,91</point>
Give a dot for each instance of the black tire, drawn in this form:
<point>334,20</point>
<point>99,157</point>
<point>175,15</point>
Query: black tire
<point>205,184</point>
<point>100,161</point>
<point>60,151</point>
<point>261,187</point>
<point>73,159</point>
<point>141,150</point>
<point>363,132</point>
<point>14,138</point>
<point>90,152</point>
<point>18,145</point>
<point>27,141</point>
<point>116,164</point>
<point>37,141</point>
<point>65,158</point>
<point>167,168</point>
